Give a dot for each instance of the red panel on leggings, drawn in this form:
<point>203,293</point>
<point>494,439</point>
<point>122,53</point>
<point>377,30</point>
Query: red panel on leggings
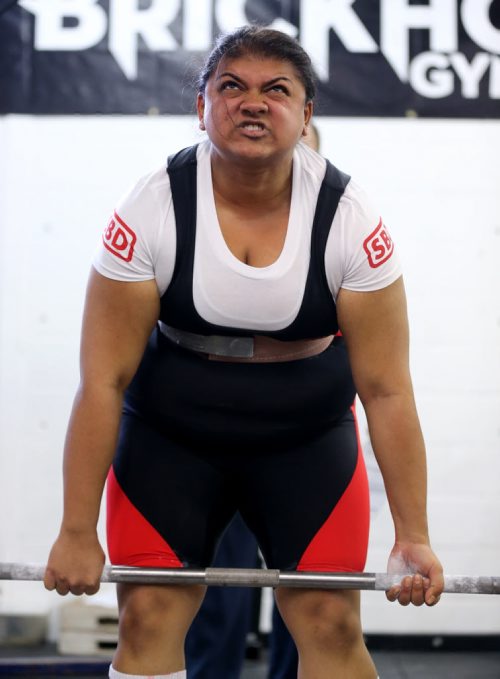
<point>132,540</point>
<point>341,543</point>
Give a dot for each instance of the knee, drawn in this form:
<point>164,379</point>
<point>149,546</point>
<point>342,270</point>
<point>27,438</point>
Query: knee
<point>141,608</point>
<point>324,619</point>
<point>335,623</point>
<point>147,612</point>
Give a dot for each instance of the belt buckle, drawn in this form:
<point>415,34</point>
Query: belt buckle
<point>232,347</point>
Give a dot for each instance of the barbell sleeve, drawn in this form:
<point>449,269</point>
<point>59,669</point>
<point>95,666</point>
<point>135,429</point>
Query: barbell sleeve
<point>258,577</point>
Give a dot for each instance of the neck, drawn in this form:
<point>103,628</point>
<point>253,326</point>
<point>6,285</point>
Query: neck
<point>247,184</point>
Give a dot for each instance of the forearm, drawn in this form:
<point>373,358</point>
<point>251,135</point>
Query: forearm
<point>375,327</point>
<point>89,449</point>
<point>400,451</point>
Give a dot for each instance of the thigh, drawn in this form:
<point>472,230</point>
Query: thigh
<point>167,502</point>
<point>308,504</point>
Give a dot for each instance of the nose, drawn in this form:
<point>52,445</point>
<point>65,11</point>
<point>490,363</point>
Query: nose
<point>253,104</point>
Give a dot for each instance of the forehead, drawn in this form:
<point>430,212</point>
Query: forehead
<point>257,67</point>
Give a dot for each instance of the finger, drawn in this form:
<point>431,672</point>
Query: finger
<point>417,590</point>
<point>432,600</point>
<point>62,587</point>
<point>404,597</point>
<point>85,585</point>
<point>92,589</point>
<point>393,593</point>
<point>436,587</point>
<point>432,596</point>
<point>49,580</point>
<point>77,590</point>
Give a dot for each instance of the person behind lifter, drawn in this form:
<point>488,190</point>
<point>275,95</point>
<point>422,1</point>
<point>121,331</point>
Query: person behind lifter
<point>216,641</point>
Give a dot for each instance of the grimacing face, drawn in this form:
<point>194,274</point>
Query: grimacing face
<point>254,108</point>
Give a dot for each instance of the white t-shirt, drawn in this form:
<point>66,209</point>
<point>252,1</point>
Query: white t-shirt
<point>139,244</point>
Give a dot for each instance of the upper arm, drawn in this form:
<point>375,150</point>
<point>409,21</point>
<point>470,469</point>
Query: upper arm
<point>118,320</point>
<point>360,254</point>
<point>375,327</point>
<point>139,241</point>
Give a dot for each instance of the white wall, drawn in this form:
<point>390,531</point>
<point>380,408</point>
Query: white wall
<point>437,184</point>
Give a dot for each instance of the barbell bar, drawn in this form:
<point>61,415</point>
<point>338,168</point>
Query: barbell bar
<point>259,577</point>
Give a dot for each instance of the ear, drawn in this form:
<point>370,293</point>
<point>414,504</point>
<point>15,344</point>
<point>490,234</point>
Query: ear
<point>308,111</point>
<point>200,108</point>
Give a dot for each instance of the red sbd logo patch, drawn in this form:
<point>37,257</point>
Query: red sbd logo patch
<point>119,238</point>
<point>378,246</point>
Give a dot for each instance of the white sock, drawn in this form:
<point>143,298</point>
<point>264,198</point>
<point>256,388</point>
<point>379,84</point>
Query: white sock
<point>114,674</point>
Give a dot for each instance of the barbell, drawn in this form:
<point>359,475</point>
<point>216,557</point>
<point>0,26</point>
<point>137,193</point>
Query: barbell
<point>259,577</point>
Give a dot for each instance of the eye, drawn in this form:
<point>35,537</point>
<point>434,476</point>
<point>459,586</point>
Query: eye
<point>282,89</point>
<point>229,85</point>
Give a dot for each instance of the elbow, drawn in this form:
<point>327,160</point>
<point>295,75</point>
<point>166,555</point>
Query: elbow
<point>384,390</point>
<point>103,386</point>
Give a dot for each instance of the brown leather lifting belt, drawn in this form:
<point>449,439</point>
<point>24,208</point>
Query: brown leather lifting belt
<point>255,349</point>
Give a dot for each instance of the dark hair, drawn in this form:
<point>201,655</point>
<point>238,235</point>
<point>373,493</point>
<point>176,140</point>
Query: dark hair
<point>265,42</point>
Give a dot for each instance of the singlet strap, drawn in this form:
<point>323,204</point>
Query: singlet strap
<point>182,168</point>
<point>331,191</point>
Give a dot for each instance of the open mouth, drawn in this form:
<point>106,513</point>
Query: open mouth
<point>252,127</point>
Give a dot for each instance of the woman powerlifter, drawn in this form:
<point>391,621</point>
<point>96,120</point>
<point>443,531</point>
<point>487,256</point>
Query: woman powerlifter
<point>240,299</point>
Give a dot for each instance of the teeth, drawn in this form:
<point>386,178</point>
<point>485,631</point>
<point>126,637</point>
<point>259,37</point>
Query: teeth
<point>252,127</point>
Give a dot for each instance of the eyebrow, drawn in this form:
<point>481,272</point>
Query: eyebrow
<point>266,84</point>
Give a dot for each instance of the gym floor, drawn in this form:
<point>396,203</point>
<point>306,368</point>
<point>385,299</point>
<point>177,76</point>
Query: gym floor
<point>396,658</point>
